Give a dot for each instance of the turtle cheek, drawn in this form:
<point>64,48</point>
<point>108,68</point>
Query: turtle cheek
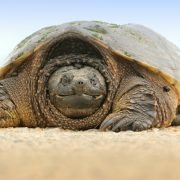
<point>58,90</point>
<point>64,90</point>
<point>58,85</point>
<point>95,89</point>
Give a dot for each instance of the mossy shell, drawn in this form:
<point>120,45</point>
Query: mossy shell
<point>131,41</point>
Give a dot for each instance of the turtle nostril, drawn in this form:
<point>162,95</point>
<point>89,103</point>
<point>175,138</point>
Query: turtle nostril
<point>80,82</point>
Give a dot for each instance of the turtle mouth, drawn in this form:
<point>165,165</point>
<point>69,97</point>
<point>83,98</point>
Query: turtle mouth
<point>77,101</point>
<point>84,96</point>
<point>78,105</point>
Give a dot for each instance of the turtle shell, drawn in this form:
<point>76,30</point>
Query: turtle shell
<point>131,41</point>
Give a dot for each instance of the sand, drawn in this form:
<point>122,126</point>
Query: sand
<point>89,155</point>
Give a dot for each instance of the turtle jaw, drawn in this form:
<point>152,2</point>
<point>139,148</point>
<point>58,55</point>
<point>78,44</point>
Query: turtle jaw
<point>78,106</point>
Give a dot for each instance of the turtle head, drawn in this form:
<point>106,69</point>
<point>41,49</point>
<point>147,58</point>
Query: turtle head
<point>77,91</point>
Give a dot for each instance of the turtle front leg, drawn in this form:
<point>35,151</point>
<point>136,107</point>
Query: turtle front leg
<point>134,107</point>
<point>8,113</point>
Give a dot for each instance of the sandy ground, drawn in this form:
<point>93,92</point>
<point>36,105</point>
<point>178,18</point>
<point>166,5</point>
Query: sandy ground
<point>89,155</point>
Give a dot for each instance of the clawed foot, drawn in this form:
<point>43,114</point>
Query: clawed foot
<point>119,122</point>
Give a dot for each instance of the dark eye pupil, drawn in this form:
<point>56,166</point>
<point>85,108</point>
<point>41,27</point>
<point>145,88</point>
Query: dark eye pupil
<point>93,81</point>
<point>65,80</point>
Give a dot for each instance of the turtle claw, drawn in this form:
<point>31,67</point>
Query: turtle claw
<point>109,123</point>
<point>117,122</point>
<point>140,126</point>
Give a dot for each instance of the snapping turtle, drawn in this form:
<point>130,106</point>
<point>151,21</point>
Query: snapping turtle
<point>83,75</point>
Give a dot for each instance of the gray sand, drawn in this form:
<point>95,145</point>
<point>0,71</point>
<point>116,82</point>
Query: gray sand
<point>92,155</point>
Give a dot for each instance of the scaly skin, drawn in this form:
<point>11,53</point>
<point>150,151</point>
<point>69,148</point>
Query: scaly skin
<point>143,100</point>
<point>8,114</point>
<point>136,99</point>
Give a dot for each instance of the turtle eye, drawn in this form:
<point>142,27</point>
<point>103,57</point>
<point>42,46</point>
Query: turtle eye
<point>93,80</point>
<point>66,80</point>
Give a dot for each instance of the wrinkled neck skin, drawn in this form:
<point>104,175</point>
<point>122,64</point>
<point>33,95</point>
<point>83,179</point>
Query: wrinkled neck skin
<point>77,90</point>
<point>74,85</point>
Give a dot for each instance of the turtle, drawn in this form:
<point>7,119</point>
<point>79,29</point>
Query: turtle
<point>91,75</point>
